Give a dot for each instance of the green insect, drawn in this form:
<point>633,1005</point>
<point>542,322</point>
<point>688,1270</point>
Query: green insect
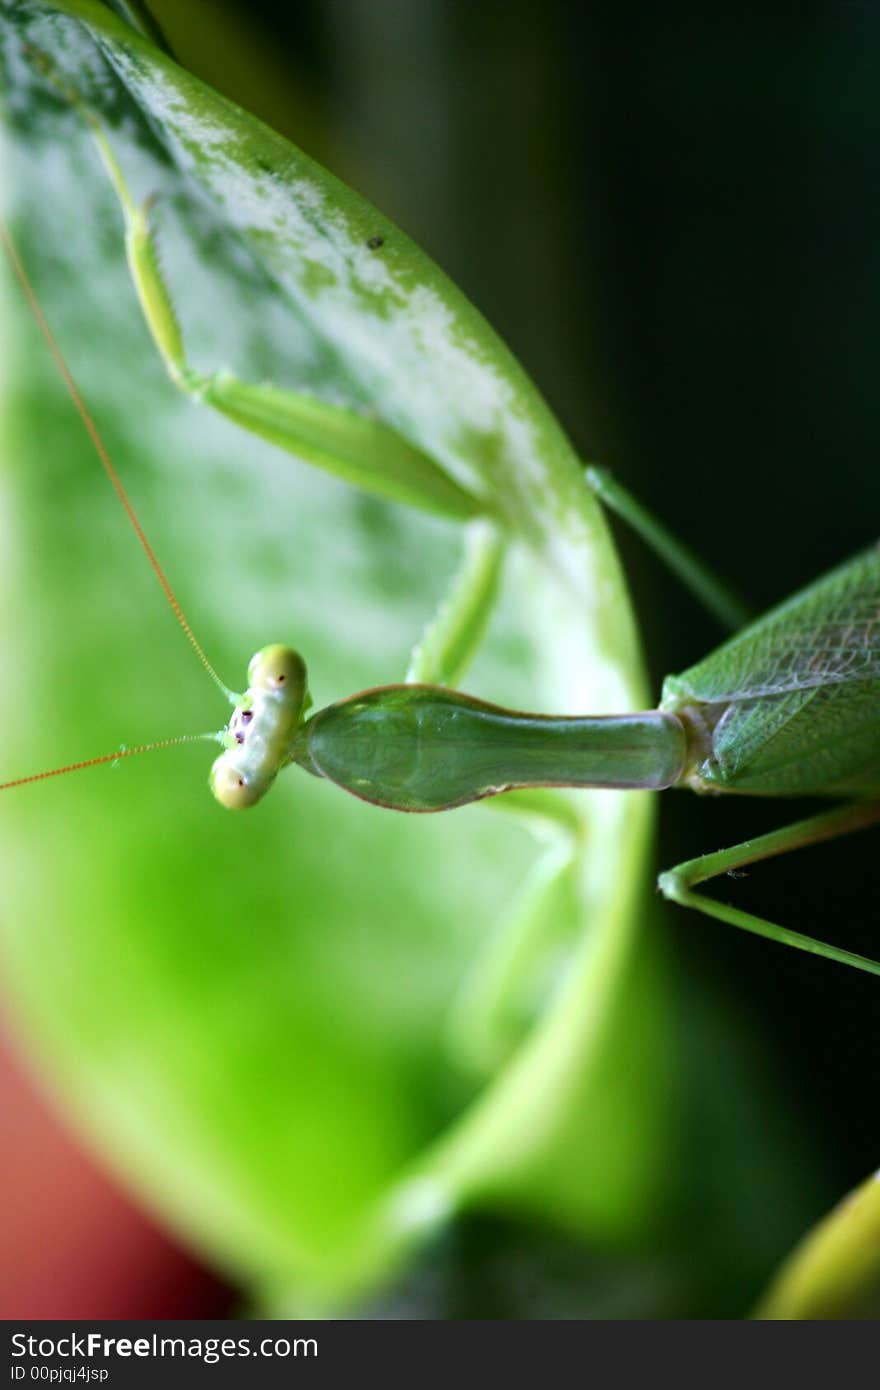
<point>787,707</point>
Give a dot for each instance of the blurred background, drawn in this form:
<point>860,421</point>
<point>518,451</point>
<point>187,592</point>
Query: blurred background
<point>672,218</point>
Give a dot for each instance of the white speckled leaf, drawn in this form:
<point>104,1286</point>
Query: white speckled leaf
<point>249,1015</point>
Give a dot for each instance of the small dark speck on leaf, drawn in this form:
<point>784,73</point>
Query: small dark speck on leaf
<point>375,242</point>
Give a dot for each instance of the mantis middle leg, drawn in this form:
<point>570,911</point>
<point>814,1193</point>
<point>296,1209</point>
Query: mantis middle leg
<point>712,592</point>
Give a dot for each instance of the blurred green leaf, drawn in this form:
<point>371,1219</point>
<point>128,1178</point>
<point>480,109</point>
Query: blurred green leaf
<point>248,1015</point>
<point>834,1272</point>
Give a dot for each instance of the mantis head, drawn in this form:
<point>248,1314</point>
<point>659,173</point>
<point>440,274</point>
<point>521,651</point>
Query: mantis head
<point>261,731</point>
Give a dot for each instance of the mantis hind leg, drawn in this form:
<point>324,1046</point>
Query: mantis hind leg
<point>678,884</point>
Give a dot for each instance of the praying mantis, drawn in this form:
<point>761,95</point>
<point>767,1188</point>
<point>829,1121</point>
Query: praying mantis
<point>786,707</point>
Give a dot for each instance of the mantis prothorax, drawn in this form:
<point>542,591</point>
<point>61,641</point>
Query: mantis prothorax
<point>786,707</point>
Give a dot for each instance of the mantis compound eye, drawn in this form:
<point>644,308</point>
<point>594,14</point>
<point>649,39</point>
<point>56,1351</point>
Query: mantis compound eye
<point>279,670</point>
<point>232,788</point>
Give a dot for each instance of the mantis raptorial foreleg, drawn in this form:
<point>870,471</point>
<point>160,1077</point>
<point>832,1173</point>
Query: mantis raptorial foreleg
<point>449,642</point>
<point>505,986</point>
<point>713,593</point>
<point>512,974</point>
<point>678,883</point>
<point>357,448</point>
<point>511,978</point>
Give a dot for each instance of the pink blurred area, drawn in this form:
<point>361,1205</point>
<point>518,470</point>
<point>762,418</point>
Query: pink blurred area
<point>74,1246</point>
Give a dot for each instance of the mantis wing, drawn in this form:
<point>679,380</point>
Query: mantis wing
<point>828,633</point>
<point>791,702</point>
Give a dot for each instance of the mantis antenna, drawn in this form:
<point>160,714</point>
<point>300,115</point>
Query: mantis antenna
<point>108,758</point>
<point>101,450</point>
<point>257,741</point>
<point>109,468</point>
